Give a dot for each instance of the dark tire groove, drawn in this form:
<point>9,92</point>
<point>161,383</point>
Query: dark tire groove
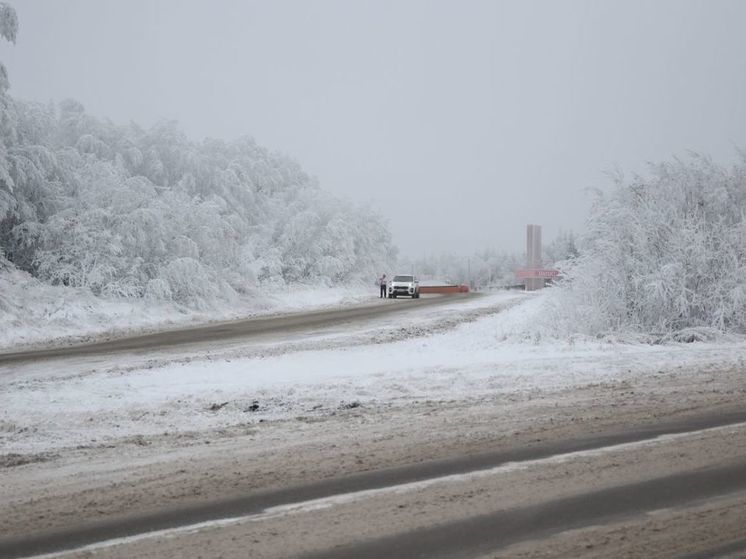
<point>492,532</point>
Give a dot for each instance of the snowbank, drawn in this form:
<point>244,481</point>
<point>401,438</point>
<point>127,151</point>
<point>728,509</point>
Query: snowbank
<point>33,313</point>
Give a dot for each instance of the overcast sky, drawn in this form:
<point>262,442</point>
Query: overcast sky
<point>460,121</point>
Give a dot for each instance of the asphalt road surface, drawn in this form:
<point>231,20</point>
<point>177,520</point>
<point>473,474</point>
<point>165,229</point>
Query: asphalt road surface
<point>468,534</point>
<point>646,466</point>
<point>235,329</point>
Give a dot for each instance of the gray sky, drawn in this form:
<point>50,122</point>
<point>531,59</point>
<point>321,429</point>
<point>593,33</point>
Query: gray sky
<point>460,121</point>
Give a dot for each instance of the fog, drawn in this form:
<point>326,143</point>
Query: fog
<point>460,122</point>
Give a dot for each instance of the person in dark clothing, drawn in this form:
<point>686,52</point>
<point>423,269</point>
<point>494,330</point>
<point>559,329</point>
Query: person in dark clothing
<point>382,283</point>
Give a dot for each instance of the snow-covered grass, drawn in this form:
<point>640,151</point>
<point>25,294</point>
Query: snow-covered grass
<point>475,359</point>
<point>545,318</point>
<point>33,313</point>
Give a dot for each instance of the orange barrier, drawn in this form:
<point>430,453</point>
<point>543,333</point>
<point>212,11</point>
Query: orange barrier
<point>444,289</point>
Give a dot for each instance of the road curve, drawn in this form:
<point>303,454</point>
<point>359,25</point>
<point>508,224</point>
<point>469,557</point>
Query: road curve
<point>453,540</point>
<point>234,329</point>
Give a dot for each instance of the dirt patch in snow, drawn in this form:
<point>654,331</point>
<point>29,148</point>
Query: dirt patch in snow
<point>14,459</point>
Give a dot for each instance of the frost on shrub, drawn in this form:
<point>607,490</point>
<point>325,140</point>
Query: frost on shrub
<point>158,289</point>
<point>86,203</point>
<point>8,22</point>
<point>117,209</point>
<point>124,287</point>
<point>184,247</point>
<point>189,282</point>
<point>662,254</point>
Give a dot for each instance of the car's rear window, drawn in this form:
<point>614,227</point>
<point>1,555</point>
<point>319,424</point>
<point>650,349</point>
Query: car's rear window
<point>403,278</point>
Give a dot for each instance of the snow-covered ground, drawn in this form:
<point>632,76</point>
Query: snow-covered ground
<point>455,352</point>
<point>33,313</point>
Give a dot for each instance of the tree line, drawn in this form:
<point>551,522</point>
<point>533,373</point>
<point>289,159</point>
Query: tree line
<point>136,212</point>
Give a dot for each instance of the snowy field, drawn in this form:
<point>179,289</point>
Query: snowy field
<point>457,352</point>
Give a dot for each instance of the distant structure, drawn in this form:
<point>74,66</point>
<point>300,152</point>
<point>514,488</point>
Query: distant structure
<point>533,256</point>
<point>533,275</point>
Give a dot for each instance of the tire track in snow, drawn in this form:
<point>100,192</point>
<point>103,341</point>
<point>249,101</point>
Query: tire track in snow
<point>409,478</point>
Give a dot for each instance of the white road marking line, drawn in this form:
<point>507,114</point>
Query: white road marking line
<point>345,498</point>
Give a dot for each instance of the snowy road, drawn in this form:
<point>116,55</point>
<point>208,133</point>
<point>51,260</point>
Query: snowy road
<point>488,526</point>
<point>388,431</point>
<point>208,335</point>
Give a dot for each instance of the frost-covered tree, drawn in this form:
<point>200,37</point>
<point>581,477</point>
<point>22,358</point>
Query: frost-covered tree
<point>562,248</point>
<point>8,22</point>
<point>129,212</point>
<point>663,253</point>
<point>123,211</point>
<point>8,31</point>
<point>484,268</point>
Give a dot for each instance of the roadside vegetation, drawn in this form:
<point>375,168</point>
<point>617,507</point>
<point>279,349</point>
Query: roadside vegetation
<point>138,213</point>
<point>100,210</point>
<point>662,254</point>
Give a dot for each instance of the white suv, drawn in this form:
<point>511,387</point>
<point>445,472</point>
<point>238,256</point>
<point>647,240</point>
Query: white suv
<point>404,285</point>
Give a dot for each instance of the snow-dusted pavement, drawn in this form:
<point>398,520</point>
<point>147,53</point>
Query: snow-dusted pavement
<point>447,352</point>
<point>54,404</point>
<point>91,438</point>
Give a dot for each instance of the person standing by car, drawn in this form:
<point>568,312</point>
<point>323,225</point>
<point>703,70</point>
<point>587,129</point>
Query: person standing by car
<point>382,284</point>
